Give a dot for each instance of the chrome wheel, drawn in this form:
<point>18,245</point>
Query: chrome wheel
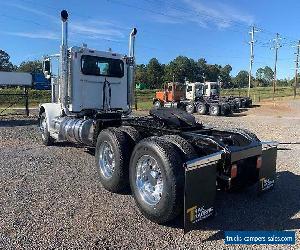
<point>157,105</point>
<point>214,110</point>
<point>106,160</point>
<point>149,180</point>
<point>190,108</point>
<point>201,108</point>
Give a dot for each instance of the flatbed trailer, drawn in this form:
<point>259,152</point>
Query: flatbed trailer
<point>172,163</point>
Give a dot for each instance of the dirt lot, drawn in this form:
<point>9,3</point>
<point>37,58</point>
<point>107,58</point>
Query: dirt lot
<point>50,196</point>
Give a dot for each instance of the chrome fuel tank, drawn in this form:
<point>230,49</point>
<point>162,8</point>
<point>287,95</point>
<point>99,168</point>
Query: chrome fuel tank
<point>75,130</point>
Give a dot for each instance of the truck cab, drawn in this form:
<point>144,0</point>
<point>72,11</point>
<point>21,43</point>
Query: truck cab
<point>211,89</point>
<point>40,82</point>
<point>96,75</point>
<point>172,93</point>
<point>194,90</point>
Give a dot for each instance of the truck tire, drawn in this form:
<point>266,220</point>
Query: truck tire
<point>133,135</point>
<point>156,177</point>
<point>112,156</point>
<point>187,150</point>
<point>214,110</point>
<point>157,104</point>
<point>46,137</point>
<point>190,108</point>
<point>238,103</point>
<point>201,108</point>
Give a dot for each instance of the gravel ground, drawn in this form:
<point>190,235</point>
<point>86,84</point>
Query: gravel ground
<point>50,196</point>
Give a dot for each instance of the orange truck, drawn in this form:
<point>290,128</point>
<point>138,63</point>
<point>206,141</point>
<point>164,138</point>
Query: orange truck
<point>170,96</point>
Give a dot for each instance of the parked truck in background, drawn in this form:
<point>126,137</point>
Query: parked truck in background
<point>171,163</point>
<point>190,97</point>
<point>39,82</point>
<point>213,90</point>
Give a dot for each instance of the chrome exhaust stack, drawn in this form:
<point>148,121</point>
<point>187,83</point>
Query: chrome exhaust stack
<point>131,70</point>
<point>63,86</point>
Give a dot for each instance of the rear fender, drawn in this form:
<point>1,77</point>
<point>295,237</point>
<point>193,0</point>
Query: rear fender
<point>200,190</point>
<point>267,173</point>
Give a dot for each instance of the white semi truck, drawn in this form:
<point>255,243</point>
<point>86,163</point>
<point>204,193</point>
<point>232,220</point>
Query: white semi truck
<point>190,97</point>
<point>205,98</point>
<point>170,162</point>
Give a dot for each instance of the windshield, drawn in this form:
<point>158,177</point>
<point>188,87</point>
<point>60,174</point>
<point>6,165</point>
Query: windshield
<point>216,88</point>
<point>199,90</point>
<point>101,66</point>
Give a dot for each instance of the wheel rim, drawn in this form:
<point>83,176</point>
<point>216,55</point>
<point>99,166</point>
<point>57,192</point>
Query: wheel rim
<point>106,160</point>
<point>200,109</point>
<point>190,108</point>
<point>43,127</point>
<point>214,110</point>
<point>157,105</point>
<point>149,180</point>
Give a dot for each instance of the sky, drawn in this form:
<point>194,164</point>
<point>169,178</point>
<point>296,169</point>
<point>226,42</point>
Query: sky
<point>217,30</point>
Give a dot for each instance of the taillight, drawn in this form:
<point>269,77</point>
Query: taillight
<point>258,162</point>
<point>233,172</point>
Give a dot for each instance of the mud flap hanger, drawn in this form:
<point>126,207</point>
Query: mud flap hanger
<point>200,190</point>
<point>267,172</point>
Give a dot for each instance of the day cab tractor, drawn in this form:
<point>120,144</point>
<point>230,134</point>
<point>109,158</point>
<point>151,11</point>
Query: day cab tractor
<point>170,96</point>
<point>171,163</point>
<point>189,97</point>
<point>213,90</point>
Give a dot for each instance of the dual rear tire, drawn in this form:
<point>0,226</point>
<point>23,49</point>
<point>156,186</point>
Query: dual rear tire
<point>153,167</point>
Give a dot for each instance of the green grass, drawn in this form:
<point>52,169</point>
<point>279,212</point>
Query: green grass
<point>144,97</point>
<point>261,93</point>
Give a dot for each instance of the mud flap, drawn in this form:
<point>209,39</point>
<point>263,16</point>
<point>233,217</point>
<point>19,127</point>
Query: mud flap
<point>267,173</point>
<point>200,190</point>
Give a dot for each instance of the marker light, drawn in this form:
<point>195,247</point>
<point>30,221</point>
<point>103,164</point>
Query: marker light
<point>233,171</point>
<point>258,162</point>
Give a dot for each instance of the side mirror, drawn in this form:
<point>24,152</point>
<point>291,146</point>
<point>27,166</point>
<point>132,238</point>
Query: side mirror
<point>47,68</point>
<point>47,75</point>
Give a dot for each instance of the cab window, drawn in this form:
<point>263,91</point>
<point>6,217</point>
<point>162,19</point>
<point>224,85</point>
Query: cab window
<point>101,66</point>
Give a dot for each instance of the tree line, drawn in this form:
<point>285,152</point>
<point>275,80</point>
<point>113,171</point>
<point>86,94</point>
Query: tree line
<point>182,68</point>
<point>34,66</point>
<point>154,74</point>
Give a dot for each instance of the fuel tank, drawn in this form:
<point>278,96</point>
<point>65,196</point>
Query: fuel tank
<point>75,130</point>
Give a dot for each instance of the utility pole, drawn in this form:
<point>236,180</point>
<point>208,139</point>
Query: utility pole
<point>277,45</point>
<point>296,69</point>
<point>251,56</point>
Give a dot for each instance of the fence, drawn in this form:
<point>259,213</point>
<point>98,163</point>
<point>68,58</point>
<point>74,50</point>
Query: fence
<point>9,99</point>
